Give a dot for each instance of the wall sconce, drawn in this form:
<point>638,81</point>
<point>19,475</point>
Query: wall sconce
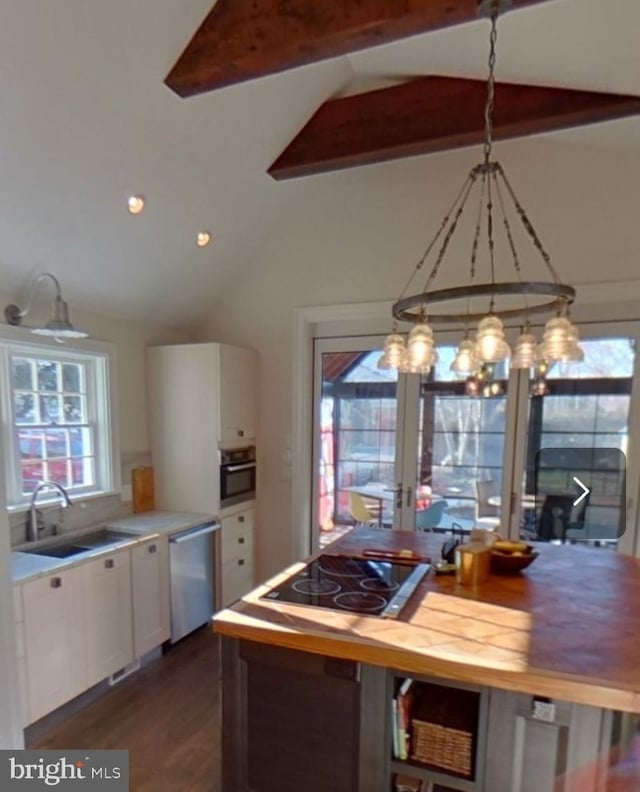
<point>59,325</point>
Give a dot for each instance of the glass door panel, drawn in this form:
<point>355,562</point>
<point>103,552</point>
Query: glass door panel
<point>356,429</point>
<point>577,432</point>
<point>461,444</point>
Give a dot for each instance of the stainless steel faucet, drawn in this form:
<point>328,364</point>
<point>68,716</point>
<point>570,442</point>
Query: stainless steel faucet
<point>32,524</point>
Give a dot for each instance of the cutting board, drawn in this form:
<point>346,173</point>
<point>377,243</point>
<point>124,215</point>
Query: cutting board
<point>143,497</point>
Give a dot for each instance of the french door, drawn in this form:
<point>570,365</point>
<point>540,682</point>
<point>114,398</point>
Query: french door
<point>433,452</point>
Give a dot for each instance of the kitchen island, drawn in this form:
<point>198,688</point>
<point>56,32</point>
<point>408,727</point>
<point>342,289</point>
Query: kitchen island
<point>547,660</point>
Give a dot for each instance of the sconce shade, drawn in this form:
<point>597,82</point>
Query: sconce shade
<point>59,325</point>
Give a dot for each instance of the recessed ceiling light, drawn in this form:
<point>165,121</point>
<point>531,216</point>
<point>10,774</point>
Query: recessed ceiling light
<point>135,204</point>
<point>203,239</point>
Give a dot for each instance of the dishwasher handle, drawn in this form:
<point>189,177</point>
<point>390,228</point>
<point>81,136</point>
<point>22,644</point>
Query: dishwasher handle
<point>194,534</point>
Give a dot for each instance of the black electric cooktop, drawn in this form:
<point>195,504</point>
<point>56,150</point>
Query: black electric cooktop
<point>364,586</point>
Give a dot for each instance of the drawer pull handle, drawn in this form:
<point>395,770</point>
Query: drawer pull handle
<point>241,562</point>
<point>240,432</point>
<point>153,548</point>
<point>241,518</point>
<point>241,540</point>
<point>109,563</point>
<point>56,582</point>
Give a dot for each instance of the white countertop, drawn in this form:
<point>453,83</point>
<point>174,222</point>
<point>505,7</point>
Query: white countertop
<point>161,522</point>
<point>142,527</point>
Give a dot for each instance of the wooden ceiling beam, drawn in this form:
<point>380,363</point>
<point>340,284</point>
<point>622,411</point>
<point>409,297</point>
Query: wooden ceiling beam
<point>433,114</point>
<point>245,39</point>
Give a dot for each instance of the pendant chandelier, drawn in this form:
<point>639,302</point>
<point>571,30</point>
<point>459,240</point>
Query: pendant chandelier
<point>516,300</point>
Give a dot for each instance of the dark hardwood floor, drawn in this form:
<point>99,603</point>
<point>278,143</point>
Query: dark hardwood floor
<point>167,715</point>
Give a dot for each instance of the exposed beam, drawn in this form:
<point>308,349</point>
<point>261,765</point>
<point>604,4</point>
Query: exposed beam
<point>433,114</point>
<point>244,39</point>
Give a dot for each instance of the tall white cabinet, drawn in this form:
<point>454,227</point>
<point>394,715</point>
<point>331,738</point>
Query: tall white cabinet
<point>203,397</point>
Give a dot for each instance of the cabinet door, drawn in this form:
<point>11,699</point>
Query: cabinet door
<point>107,615</point>
<point>238,397</point>
<point>54,641</point>
<point>150,589</point>
<point>237,555</point>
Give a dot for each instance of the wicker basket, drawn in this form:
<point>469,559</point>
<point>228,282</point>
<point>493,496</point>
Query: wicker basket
<point>449,749</point>
<point>444,725</point>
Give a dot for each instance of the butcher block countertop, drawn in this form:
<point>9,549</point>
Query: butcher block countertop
<point>568,627</point>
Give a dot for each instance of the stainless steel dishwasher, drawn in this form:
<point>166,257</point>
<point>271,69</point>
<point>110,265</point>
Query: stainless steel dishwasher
<point>192,558</point>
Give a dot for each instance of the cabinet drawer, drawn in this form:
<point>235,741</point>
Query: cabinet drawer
<point>237,579</point>
<point>237,545</point>
<point>18,611</point>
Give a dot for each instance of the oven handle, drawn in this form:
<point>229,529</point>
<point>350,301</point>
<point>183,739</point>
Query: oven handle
<point>235,468</point>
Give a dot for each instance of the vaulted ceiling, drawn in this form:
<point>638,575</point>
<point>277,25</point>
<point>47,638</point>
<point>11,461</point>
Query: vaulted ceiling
<point>88,120</point>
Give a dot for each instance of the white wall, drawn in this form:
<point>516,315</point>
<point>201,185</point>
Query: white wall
<point>130,340</point>
<point>355,236</point>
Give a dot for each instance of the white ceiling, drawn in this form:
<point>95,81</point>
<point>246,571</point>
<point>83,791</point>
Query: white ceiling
<point>86,120</point>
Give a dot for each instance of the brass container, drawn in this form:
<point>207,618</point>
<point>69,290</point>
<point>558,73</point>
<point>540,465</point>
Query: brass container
<point>473,563</point>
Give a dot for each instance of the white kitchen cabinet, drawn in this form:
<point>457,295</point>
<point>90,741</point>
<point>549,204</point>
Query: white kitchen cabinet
<point>201,397</point>
<point>106,597</point>
<point>18,617</point>
<point>237,554</point>
<point>151,596</point>
<point>54,640</point>
<point>238,386</point>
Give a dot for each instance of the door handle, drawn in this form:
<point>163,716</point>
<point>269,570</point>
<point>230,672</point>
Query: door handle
<point>398,494</point>
<point>109,563</point>
<point>409,494</point>
<point>56,582</point>
<point>153,548</point>
<point>241,562</point>
<point>241,540</point>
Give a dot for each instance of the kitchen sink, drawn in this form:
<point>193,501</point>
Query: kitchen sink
<point>104,537</point>
<point>59,551</point>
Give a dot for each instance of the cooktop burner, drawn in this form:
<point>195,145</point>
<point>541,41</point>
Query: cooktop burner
<point>358,585</point>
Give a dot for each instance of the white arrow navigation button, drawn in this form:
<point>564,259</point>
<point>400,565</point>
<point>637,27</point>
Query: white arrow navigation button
<point>583,494</point>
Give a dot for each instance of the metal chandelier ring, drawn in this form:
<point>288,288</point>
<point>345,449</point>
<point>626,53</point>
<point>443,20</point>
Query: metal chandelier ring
<point>416,307</point>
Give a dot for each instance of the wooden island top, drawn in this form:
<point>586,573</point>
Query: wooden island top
<point>568,627</point>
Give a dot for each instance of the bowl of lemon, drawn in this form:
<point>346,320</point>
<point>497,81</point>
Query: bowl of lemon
<point>509,557</point>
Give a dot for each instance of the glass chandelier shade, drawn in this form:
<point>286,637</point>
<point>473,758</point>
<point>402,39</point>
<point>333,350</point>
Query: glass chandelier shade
<point>525,352</point>
<point>559,341</point>
<point>421,353</point>
<point>491,346</point>
<point>466,361</point>
<point>393,352</point>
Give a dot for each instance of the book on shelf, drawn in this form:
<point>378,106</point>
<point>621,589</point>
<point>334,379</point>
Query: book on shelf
<point>404,703</point>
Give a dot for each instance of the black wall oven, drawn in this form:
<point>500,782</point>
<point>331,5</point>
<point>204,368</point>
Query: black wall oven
<point>237,475</point>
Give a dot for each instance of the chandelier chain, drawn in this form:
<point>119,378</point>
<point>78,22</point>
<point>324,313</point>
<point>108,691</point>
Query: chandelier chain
<point>529,227</point>
<point>476,233</point>
<point>491,89</point>
<point>465,188</point>
<point>452,227</point>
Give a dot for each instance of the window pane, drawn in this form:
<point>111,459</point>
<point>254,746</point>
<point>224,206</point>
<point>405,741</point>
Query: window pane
<point>32,475</point>
<point>22,374</point>
<point>50,409</point>
<point>80,442</point>
<point>58,471</point>
<point>74,409</point>
<point>82,472</point>
<point>71,378</point>
<point>25,408</point>
<point>612,414</point>
<point>56,443</point>
<point>47,376</point>
<point>31,443</point>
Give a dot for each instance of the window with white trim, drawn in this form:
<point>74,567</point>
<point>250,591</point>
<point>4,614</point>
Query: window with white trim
<point>57,420</point>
